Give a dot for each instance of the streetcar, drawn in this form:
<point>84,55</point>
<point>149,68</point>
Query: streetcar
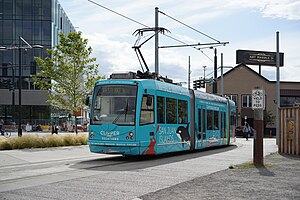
<point>142,116</point>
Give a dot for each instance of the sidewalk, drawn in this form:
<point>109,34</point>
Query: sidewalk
<point>279,179</point>
<point>43,133</point>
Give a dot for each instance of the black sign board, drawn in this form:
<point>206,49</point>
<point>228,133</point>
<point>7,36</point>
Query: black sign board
<point>258,57</point>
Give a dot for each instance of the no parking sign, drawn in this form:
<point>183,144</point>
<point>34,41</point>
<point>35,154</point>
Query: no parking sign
<point>258,99</point>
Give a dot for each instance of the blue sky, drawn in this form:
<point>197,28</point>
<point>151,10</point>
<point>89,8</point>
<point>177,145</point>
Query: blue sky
<point>245,24</point>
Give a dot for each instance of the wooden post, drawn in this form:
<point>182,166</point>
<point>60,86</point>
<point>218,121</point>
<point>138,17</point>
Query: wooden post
<point>258,139</point>
<point>258,105</point>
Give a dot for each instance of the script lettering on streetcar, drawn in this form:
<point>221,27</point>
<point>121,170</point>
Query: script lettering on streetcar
<point>167,135</point>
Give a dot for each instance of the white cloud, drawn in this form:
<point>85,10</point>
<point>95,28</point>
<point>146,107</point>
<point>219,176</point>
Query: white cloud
<point>111,37</point>
<point>286,9</point>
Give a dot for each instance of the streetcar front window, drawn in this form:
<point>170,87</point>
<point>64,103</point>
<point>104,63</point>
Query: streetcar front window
<point>114,104</point>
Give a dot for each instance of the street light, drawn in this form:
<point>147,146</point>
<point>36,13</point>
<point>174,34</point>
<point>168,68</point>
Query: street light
<point>28,46</point>
<point>20,80</point>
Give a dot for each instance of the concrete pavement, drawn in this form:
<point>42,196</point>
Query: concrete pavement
<point>211,178</point>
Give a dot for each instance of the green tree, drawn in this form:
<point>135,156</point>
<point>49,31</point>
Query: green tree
<point>68,73</point>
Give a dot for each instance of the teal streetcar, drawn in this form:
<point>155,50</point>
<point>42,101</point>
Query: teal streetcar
<point>149,117</point>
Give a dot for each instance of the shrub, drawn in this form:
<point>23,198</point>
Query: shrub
<point>5,145</point>
<point>29,141</point>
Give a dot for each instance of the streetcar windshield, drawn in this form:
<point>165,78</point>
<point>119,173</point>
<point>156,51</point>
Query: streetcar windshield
<point>114,104</point>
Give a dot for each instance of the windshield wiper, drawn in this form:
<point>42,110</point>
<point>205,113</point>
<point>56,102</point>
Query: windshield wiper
<point>123,111</point>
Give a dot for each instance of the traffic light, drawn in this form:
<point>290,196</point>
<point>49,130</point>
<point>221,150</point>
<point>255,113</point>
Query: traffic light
<point>195,85</point>
<point>202,83</point>
<point>198,83</point>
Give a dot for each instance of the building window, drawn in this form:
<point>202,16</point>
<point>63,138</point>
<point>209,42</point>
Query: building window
<point>289,101</point>
<point>232,97</point>
<point>4,69</point>
<point>246,101</point>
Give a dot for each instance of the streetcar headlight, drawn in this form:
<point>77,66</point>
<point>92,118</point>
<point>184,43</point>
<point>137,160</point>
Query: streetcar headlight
<point>91,134</point>
<point>131,134</point>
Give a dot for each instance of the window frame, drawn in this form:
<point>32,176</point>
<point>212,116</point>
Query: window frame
<point>151,110</point>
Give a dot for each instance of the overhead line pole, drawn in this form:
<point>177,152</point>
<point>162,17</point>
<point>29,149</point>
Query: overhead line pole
<point>277,89</point>
<point>156,42</point>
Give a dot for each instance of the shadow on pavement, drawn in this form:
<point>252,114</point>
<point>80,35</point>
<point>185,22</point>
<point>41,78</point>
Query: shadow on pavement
<point>125,163</point>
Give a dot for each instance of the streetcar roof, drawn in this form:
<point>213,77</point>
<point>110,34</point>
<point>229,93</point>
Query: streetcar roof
<point>163,86</point>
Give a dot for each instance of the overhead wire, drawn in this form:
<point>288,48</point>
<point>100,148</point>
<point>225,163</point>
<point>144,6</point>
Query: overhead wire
<point>118,13</point>
<point>189,27</point>
<point>135,21</point>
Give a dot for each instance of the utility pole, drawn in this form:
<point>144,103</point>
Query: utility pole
<point>189,73</point>
<point>156,42</point>
<point>222,78</point>
<point>215,89</point>
<point>277,88</point>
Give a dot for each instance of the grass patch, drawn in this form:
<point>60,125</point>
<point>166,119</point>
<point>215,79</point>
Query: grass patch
<point>249,165</point>
<point>29,141</point>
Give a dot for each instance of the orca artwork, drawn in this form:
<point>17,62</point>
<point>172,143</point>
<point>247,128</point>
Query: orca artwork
<point>183,132</point>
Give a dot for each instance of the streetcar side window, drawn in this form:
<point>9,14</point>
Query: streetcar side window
<point>171,110</point>
<point>160,110</point>
<point>223,124</point>
<point>216,120</point>
<point>182,112</point>
<point>210,119</point>
<point>147,110</point>
<point>200,120</point>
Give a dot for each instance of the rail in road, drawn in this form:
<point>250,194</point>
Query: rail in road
<point>75,173</point>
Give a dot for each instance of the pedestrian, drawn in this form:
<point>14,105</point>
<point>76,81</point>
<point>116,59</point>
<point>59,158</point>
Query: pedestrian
<point>1,126</point>
<point>247,130</point>
<point>54,129</point>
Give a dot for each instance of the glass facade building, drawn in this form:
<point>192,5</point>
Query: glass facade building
<point>38,22</point>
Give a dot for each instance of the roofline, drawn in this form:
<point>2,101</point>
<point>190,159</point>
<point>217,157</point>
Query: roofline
<point>242,64</point>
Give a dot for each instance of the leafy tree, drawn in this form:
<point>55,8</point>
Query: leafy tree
<point>68,73</point>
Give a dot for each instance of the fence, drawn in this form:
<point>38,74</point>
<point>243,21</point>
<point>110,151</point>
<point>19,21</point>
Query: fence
<point>290,131</point>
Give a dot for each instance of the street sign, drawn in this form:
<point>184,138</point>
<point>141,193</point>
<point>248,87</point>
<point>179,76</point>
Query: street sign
<point>258,99</point>
<point>258,57</point>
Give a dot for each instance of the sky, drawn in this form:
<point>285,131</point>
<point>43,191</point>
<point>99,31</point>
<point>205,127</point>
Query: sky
<point>245,24</point>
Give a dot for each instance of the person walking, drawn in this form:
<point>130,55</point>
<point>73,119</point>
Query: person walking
<point>247,130</point>
<point>54,129</point>
<point>1,126</point>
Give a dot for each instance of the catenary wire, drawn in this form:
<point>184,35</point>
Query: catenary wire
<point>135,21</point>
<point>189,26</point>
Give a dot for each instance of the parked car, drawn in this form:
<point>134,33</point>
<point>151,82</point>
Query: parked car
<point>9,124</point>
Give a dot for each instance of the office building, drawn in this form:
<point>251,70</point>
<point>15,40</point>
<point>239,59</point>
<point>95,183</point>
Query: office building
<point>38,22</point>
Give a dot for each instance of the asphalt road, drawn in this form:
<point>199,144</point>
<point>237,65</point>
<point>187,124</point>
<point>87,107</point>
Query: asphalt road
<point>75,173</point>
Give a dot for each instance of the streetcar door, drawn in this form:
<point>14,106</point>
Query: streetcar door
<point>201,127</point>
<point>146,128</point>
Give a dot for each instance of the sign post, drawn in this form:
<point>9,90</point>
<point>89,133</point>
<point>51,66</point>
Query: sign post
<point>258,105</point>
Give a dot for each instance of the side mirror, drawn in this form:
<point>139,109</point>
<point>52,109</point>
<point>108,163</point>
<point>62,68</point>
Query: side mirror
<point>149,100</point>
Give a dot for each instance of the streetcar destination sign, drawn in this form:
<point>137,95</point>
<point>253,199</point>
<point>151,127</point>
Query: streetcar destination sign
<point>258,99</point>
<point>258,57</point>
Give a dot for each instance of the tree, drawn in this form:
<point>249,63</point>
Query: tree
<point>68,73</point>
